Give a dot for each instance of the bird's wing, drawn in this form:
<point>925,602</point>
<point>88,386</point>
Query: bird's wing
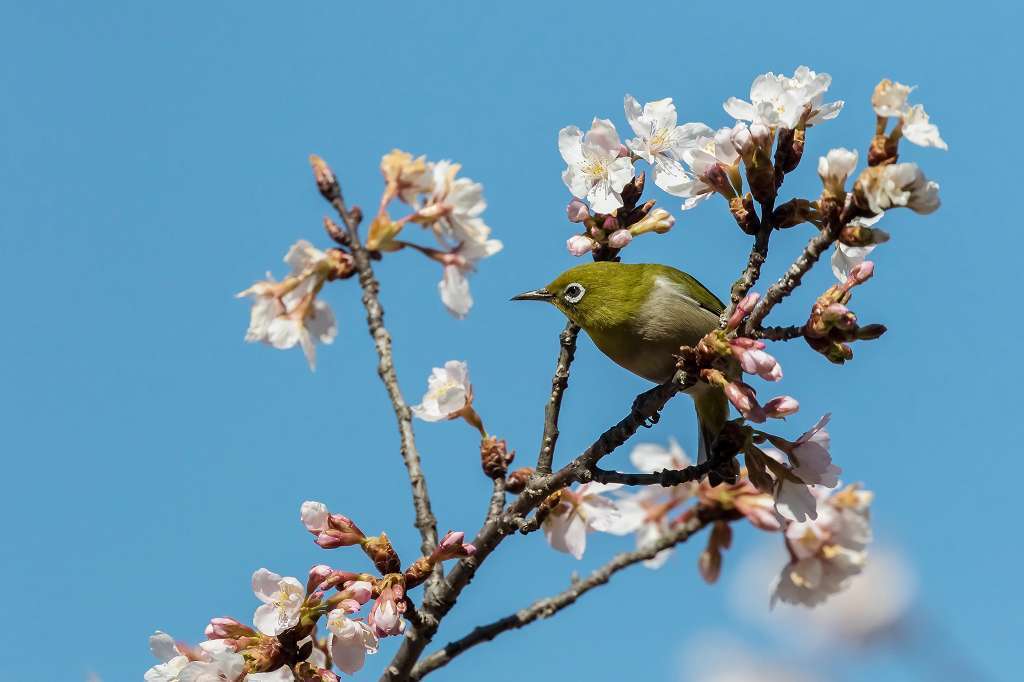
<point>694,290</point>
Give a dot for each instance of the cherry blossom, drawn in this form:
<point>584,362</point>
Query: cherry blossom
<point>781,101</point>
<point>827,551</point>
<point>596,171</point>
<point>282,601</point>
<point>659,142</point>
<point>349,642</point>
<point>448,391</point>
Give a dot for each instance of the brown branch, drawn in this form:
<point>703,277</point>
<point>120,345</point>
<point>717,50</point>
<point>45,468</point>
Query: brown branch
<point>559,382</point>
<point>758,255</point>
<point>645,411</point>
<point>425,520</point>
<point>549,606</point>
<point>778,333</point>
<point>790,280</point>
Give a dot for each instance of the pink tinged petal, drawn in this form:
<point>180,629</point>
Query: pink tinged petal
<point>620,239</point>
<point>602,135</point>
<point>845,258</point>
<point>577,211</point>
<point>580,245</point>
<point>781,406</point>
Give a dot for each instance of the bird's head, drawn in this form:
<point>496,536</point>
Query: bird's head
<point>594,294</point>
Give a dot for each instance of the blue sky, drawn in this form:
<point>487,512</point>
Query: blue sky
<point>153,162</point>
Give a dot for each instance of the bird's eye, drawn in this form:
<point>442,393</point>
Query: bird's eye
<point>574,292</point>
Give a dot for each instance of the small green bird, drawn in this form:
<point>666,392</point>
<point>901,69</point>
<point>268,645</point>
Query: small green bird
<point>639,315</point>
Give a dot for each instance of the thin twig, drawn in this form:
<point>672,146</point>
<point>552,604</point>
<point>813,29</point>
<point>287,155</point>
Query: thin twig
<point>790,280</point>
<point>645,411</point>
<point>549,606</point>
<point>559,382</point>
<point>758,255</point>
<point>778,333</point>
<point>425,520</point>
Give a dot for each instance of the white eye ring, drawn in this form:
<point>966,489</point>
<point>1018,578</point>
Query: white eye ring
<point>574,292</point>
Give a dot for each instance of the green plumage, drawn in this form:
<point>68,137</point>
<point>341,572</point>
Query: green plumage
<point>639,315</point>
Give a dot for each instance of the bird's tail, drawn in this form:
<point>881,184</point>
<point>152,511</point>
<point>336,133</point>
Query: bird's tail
<point>712,413</point>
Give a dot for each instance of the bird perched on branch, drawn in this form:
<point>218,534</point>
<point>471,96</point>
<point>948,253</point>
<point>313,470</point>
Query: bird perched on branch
<point>639,315</point>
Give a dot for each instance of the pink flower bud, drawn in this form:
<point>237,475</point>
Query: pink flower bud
<point>780,407</point>
<point>755,361</point>
<point>341,531</point>
<point>317,575</point>
<point>469,549</point>
<point>610,224</point>
<point>386,614</point>
<point>860,273</point>
<point>580,245</point>
<point>227,628</point>
<point>577,211</point>
<point>451,546</point>
<point>743,399</point>
<point>359,590</point>
<point>743,309</point>
<point>619,239</point>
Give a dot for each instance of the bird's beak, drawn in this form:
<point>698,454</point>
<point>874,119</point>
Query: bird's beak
<point>535,295</point>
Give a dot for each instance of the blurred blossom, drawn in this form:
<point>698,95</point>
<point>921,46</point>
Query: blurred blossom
<point>596,171</point>
<point>721,658</point>
<point>211,661</point>
<point>827,551</point>
<point>448,391</point>
<point>645,512</point>
<point>835,167</point>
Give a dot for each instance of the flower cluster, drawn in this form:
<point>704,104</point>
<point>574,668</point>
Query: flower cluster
<point>448,205</point>
<point>832,326</point>
<point>692,161</point>
<point>283,645</point>
<point>289,313</point>
<point>827,551</point>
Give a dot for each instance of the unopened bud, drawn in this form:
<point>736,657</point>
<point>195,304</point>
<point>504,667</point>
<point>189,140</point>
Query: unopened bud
<point>495,457</point>
<point>227,628</point>
<point>619,239</point>
<point>580,245</point>
<point>782,406</point>
<point>790,149</point>
<point>577,211</point>
<point>610,223</point>
<point>743,308</point>
<point>451,546</point>
<point>860,273</point>
<point>382,554</point>
<point>326,182</point>
<point>517,480</point>
<point>792,213</point>
<point>659,220</point>
<point>317,575</point>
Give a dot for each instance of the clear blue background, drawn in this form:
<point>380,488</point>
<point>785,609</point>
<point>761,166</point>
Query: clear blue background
<point>153,162</point>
